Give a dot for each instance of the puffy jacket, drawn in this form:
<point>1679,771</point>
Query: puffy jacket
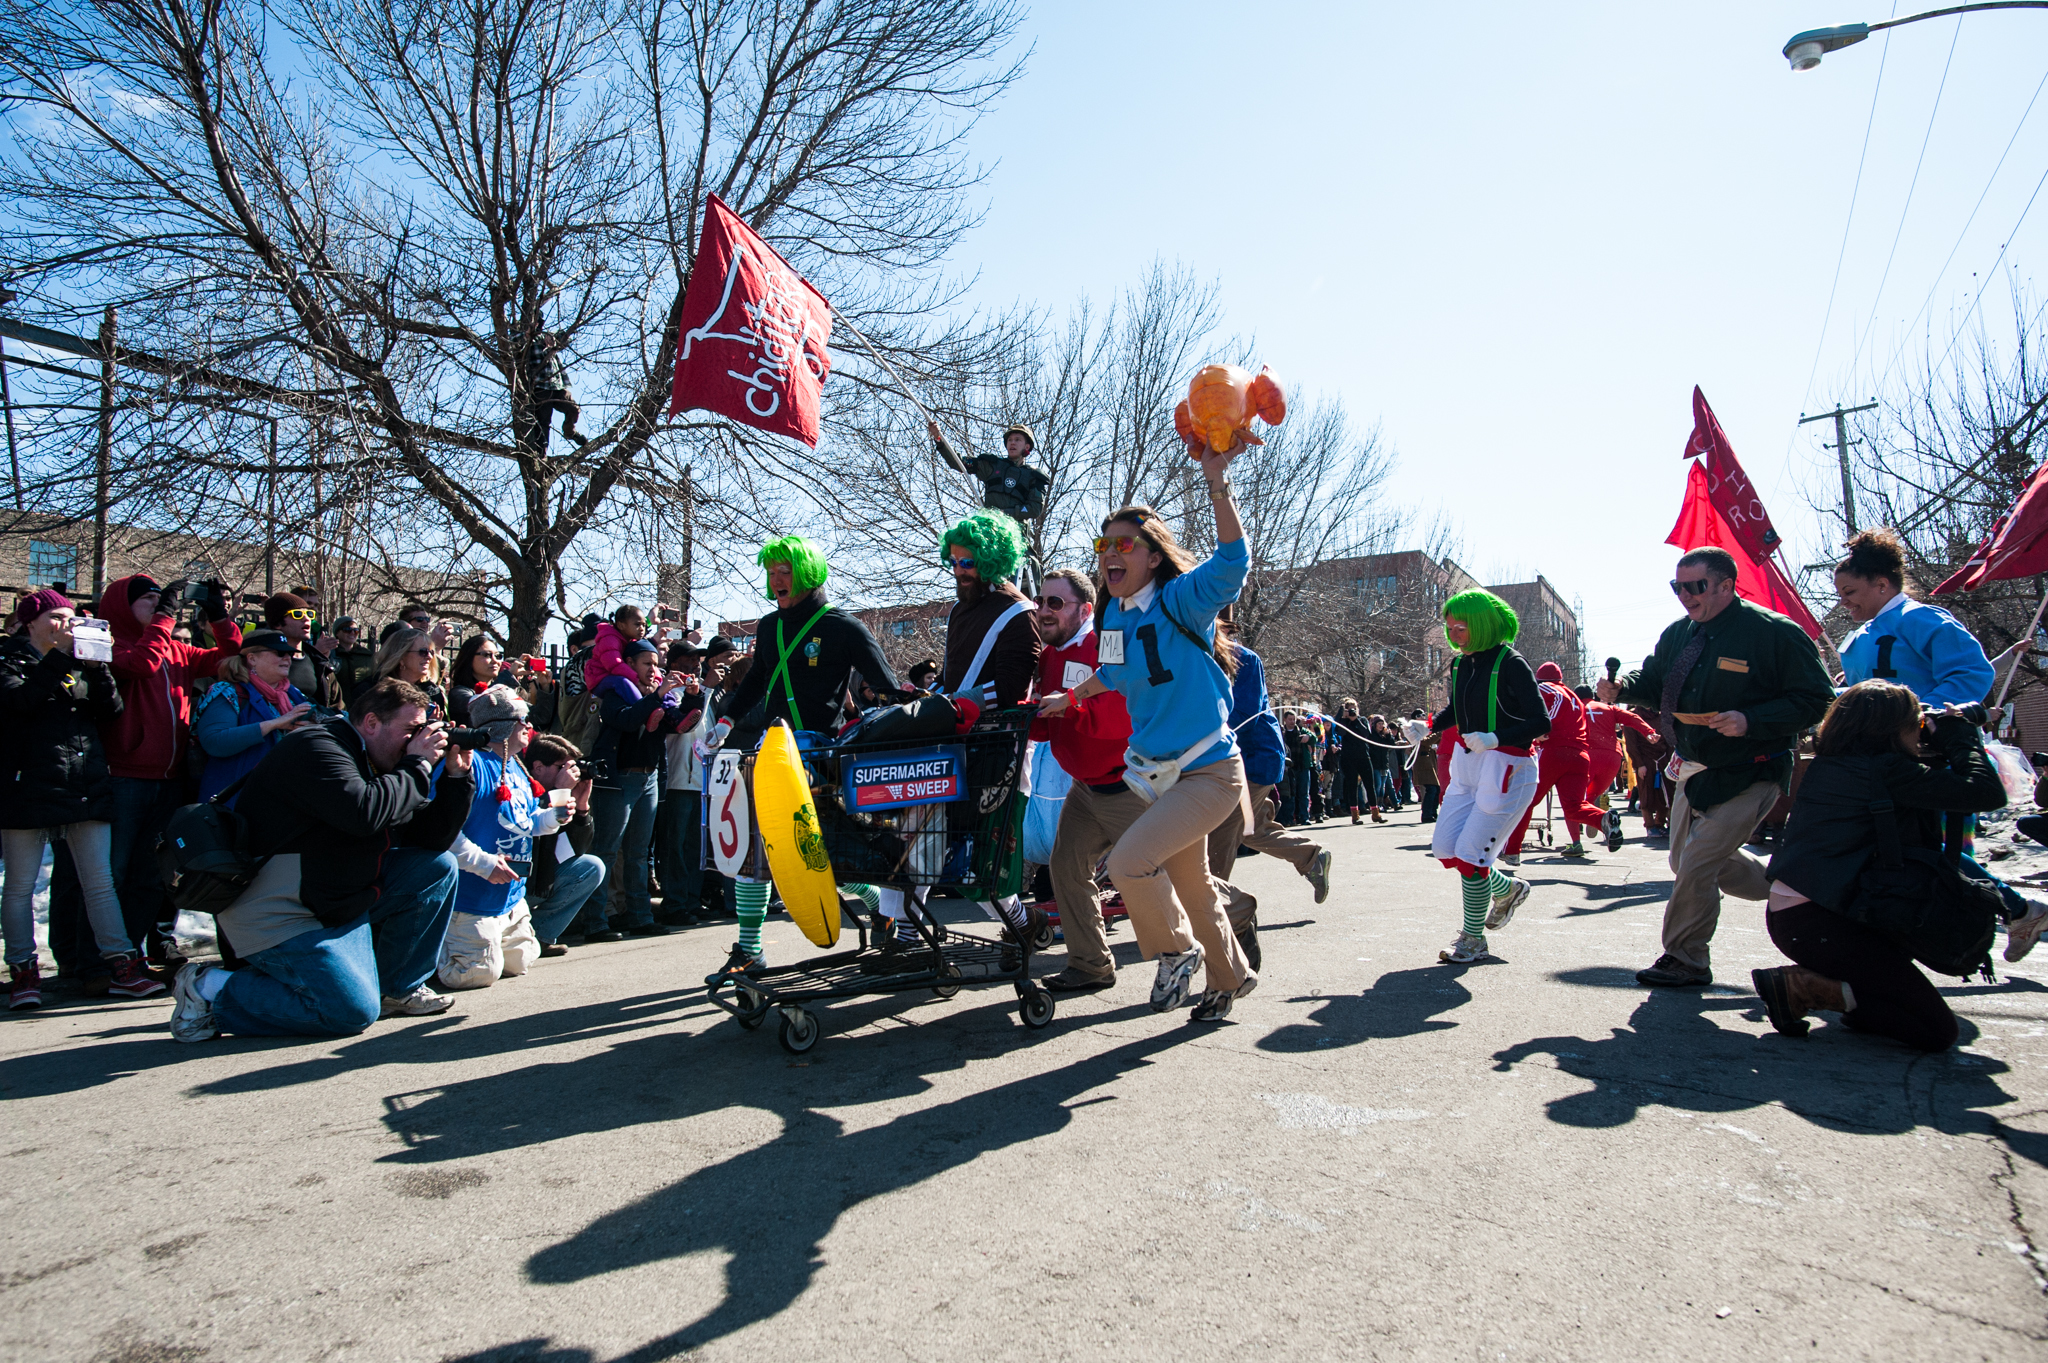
<point>54,765</point>
<point>148,741</point>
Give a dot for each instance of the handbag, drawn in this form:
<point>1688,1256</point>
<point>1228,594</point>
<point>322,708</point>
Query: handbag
<point>203,854</point>
<point>1922,900</point>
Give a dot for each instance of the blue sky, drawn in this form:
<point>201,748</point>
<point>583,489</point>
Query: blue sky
<point>1516,237</point>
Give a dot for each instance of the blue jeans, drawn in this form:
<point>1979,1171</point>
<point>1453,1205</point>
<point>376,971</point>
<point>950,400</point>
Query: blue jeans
<point>1300,785</point>
<point>682,866</point>
<point>576,882</point>
<point>625,828</point>
<point>332,981</point>
<point>141,810</point>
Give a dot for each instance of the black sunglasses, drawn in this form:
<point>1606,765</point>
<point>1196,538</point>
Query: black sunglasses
<point>1694,587</point>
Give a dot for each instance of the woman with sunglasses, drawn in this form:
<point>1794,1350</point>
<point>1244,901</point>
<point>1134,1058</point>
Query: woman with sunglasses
<point>479,665</point>
<point>409,656</point>
<point>1157,648</point>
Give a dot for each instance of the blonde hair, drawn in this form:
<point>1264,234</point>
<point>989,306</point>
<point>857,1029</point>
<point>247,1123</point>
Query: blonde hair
<point>397,646</point>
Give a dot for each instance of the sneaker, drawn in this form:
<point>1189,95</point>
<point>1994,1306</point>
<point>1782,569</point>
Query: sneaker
<point>740,961</point>
<point>422,1002</point>
<point>1572,849</point>
<point>25,986</point>
<point>1213,1006</point>
<point>130,980</point>
<point>1511,859</point>
<point>2021,933</point>
<point>1671,973</point>
<point>1613,822</point>
<point>1464,951</point>
<point>192,1020</point>
<point>1319,875</point>
<point>1176,969</point>
<point>1503,911</point>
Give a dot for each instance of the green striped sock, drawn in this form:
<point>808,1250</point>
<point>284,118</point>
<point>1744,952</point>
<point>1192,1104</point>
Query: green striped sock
<point>866,894</point>
<point>1476,904</point>
<point>1499,884</point>
<point>750,900</point>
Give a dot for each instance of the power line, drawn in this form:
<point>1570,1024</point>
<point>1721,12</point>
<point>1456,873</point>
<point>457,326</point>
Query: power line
<point>2003,248</point>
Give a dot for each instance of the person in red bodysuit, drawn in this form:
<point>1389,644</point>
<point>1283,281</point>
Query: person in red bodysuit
<point>1562,764</point>
<point>1603,750</point>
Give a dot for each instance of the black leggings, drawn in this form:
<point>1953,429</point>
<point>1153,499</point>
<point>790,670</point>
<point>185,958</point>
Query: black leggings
<point>1892,997</point>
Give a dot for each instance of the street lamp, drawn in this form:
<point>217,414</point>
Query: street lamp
<point>1805,50</point>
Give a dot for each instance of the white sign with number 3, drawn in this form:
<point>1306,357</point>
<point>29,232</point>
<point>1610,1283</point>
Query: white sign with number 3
<point>732,824</point>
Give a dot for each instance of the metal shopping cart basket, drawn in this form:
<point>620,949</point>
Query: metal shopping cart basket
<point>940,816</point>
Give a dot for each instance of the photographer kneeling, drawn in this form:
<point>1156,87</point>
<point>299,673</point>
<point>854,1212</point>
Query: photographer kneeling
<point>344,922</point>
<point>1870,749</point>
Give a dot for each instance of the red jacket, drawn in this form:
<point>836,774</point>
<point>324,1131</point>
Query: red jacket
<point>1088,741</point>
<point>148,741</point>
<point>1601,735</point>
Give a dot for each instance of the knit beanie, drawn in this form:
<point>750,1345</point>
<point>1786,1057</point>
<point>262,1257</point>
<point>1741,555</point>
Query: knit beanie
<point>499,709</point>
<point>35,603</point>
<point>274,607</point>
<point>139,586</point>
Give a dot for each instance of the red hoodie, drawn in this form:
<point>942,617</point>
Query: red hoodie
<point>147,742</point>
<point>1088,741</point>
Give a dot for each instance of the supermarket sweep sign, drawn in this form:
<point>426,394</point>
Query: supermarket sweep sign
<point>894,780</point>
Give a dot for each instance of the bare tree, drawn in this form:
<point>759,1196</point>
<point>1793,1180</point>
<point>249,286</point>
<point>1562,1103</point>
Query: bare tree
<point>380,221</point>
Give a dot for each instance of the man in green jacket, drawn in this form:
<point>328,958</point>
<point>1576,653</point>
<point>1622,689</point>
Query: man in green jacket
<point>1736,686</point>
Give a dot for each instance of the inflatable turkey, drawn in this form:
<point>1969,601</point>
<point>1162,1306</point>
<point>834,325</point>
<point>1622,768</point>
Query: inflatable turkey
<point>1221,402</point>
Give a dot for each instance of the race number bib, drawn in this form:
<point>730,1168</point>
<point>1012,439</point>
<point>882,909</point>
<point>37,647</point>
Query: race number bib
<point>1111,647</point>
<point>731,819</point>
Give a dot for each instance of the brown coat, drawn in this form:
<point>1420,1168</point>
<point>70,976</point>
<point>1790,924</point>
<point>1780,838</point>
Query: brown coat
<point>1012,664</point>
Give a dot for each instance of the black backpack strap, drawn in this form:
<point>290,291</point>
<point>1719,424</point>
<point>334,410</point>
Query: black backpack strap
<point>1883,811</point>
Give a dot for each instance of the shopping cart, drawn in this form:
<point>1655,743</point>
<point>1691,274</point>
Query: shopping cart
<point>942,816</point>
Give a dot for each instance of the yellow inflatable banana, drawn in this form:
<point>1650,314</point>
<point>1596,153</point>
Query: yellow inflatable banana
<point>789,832</point>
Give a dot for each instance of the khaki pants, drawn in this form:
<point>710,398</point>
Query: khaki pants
<point>1267,836</point>
<point>1090,824</point>
<point>477,952</point>
<point>1708,861</point>
<point>1161,866</point>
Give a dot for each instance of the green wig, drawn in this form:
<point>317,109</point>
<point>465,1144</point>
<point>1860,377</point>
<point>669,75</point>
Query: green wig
<point>807,566</point>
<point>997,542</point>
<point>1488,619</point>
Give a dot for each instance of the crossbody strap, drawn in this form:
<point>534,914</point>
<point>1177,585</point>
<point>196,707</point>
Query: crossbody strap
<point>782,664</point>
<point>988,643</point>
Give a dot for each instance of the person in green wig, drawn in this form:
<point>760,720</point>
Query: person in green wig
<point>1495,719</point>
<point>806,653</point>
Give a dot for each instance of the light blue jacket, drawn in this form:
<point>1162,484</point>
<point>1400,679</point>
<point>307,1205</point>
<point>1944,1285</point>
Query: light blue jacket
<point>1173,688</point>
<point>1922,647</point>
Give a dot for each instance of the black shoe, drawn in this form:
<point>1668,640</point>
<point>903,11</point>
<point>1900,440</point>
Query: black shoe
<point>554,949</point>
<point>678,920</point>
<point>1072,981</point>
<point>607,935</point>
<point>1770,987</point>
<point>651,930</point>
<point>740,962</point>
<point>1671,973</point>
<point>571,939</point>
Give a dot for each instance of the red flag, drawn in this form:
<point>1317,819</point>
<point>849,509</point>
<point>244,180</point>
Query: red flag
<point>1701,524</point>
<point>1737,499</point>
<point>753,333</point>
<point>2017,545</point>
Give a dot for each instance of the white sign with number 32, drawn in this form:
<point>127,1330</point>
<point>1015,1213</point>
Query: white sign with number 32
<point>731,817</point>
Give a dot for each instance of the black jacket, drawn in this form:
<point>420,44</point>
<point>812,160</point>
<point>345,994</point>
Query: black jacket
<point>1520,719</point>
<point>1831,831</point>
<point>624,737</point>
<point>317,794</point>
<point>51,757</point>
<point>821,663</point>
<point>355,669</point>
<point>1354,752</point>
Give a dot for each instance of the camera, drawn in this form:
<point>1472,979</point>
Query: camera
<point>667,615</point>
<point>471,739</point>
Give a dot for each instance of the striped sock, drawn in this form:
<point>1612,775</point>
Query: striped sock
<point>1500,885</point>
<point>867,895</point>
<point>1476,898</point>
<point>751,898</point>
<point>906,931</point>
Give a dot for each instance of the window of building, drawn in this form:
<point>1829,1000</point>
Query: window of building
<point>902,629</point>
<point>48,563</point>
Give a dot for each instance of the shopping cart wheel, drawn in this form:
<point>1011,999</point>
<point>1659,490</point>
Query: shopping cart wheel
<point>1036,1010</point>
<point>799,1031</point>
<point>754,1014</point>
<point>947,991</point>
<point>1043,939</point>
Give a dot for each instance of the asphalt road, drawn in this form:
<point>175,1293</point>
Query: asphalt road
<point>1377,1157</point>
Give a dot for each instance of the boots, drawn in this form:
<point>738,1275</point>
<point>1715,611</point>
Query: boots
<point>1791,992</point>
<point>25,987</point>
<point>1376,815</point>
<point>1354,815</point>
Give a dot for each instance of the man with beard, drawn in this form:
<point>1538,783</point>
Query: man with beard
<point>805,653</point>
<point>992,643</point>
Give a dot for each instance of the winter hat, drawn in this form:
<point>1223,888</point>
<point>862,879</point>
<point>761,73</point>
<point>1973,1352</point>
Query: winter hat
<point>36,603</point>
<point>141,585</point>
<point>717,644</point>
<point>637,647</point>
<point>499,709</point>
<point>1550,672</point>
<point>274,607</point>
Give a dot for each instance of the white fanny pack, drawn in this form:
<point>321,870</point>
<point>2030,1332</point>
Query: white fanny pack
<point>1150,778</point>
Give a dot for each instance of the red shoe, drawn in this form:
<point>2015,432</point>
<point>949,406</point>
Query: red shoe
<point>131,981</point>
<point>25,988</point>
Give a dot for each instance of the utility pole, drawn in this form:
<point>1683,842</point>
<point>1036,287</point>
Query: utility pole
<point>1842,443</point>
<point>103,485</point>
<point>7,296</point>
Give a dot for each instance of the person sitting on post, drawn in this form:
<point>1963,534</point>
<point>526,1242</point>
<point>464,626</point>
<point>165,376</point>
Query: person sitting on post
<point>343,923</point>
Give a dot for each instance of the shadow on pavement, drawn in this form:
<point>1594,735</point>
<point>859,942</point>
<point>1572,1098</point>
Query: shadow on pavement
<point>1400,1003</point>
<point>1673,1055</point>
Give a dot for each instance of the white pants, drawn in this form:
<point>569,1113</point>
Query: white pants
<point>477,952</point>
<point>1482,804</point>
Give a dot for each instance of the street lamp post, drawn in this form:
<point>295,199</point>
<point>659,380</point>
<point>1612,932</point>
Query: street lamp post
<point>1806,49</point>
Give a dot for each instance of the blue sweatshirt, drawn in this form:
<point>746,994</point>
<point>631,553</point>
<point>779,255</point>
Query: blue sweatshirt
<point>503,828</point>
<point>1174,690</point>
<point>1256,726</point>
<point>1922,647</point>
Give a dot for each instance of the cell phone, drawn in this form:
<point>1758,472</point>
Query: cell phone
<point>668,615</point>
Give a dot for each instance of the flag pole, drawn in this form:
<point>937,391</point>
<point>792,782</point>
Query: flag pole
<point>901,386</point>
<point>2026,642</point>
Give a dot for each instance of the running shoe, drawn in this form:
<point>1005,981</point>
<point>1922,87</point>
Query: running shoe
<point>1511,859</point>
<point>1176,969</point>
<point>2021,933</point>
<point>421,1002</point>
<point>1213,1006</point>
<point>1613,822</point>
<point>192,1020</point>
<point>1318,874</point>
<point>1464,951</point>
<point>1503,911</point>
<point>1572,849</point>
